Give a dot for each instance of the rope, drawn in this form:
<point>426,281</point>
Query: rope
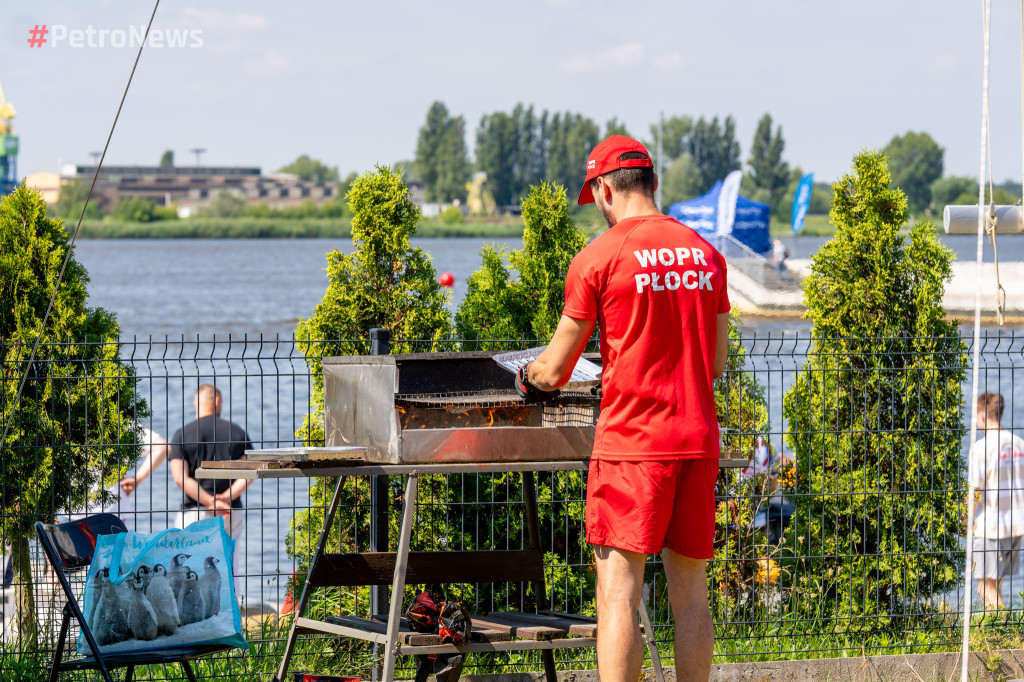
<point>986,11</point>
<point>74,236</point>
<point>990,229</point>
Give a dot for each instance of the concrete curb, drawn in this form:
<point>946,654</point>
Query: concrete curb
<point>983,666</point>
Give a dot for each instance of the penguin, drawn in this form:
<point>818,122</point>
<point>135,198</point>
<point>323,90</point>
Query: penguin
<point>163,601</point>
<point>210,583</point>
<point>141,616</point>
<point>190,600</point>
<point>176,573</point>
<point>123,593</point>
<point>144,573</point>
<point>100,583</point>
<point>111,624</point>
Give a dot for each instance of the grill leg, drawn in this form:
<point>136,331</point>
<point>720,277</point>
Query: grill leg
<point>59,654</point>
<point>300,608</point>
<point>539,589</point>
<point>398,584</point>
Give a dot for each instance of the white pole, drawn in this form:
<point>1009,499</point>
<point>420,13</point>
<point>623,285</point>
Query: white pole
<point>965,648</point>
<point>661,162</point>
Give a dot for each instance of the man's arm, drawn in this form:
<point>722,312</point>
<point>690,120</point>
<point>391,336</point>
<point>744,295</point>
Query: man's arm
<point>554,366</point>
<point>721,344</point>
<point>185,481</point>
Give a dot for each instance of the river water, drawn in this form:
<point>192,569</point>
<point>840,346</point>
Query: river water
<point>222,303</point>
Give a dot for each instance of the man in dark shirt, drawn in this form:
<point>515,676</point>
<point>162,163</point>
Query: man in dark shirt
<point>210,438</point>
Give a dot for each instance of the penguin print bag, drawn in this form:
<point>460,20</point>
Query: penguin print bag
<point>163,590</point>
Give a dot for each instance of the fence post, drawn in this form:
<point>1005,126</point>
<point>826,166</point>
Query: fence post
<point>380,344</point>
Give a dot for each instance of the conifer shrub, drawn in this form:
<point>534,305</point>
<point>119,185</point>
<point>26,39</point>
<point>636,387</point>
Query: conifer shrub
<point>874,417</point>
<point>74,431</point>
<point>520,294</point>
<point>385,283</point>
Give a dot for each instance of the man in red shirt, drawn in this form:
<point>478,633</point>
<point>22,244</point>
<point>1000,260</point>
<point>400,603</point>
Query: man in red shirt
<point>657,291</point>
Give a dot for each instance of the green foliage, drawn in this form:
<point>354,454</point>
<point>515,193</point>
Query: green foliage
<point>916,162</point>
<point>677,131</point>
<point>384,283</point>
<point>167,159</point>
<point>953,190</point>
<point>742,410</point>
<point>72,198</point>
<point>510,148</point>
<point>225,205</point>
<point>571,138</point>
<point>682,180</point>
<point>714,149</point>
<point>441,160</point>
<point>767,169</point>
<point>615,127</point>
<point>498,306</point>
<point>141,210</point>
<point>73,430</point>
<point>310,170</point>
<point>452,215</point>
<point>876,410</point>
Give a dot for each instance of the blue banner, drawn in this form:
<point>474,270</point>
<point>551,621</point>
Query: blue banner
<point>802,201</point>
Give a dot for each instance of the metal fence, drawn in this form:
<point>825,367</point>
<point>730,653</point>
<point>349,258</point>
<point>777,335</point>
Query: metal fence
<point>847,541</point>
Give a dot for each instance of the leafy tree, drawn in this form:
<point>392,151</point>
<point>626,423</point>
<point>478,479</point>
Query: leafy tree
<point>310,170</point>
<point>386,283</point>
<point>916,162</point>
<point>571,138</point>
<point>615,127</point>
<point>682,180</point>
<point>529,304</point>
<point>510,148</point>
<point>142,210</point>
<point>767,169</point>
<point>73,432</point>
<point>714,149</point>
<point>167,159</point>
<point>227,205</point>
<point>72,198</point>
<point>441,160</point>
<point>876,410</point>
<point>677,131</point>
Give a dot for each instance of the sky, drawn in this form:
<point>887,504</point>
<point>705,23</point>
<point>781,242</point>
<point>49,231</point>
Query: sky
<point>261,82</point>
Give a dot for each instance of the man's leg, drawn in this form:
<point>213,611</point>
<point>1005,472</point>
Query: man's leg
<point>620,576</point>
<point>695,636</point>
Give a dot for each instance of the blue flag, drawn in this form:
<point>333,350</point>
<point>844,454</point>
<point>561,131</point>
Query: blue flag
<point>802,201</point>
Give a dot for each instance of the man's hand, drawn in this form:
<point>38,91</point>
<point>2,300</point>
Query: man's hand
<point>527,391</point>
<point>128,485</point>
<point>221,505</point>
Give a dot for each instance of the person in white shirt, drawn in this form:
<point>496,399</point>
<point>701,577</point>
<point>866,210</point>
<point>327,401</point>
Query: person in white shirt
<point>154,452</point>
<point>997,466</point>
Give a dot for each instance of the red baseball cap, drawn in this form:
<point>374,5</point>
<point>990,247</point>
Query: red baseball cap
<point>605,159</point>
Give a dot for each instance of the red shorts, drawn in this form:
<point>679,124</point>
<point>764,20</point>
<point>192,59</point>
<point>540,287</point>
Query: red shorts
<point>645,506</point>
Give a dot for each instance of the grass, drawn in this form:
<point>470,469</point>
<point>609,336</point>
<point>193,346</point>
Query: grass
<point>779,641</point>
<point>273,228</point>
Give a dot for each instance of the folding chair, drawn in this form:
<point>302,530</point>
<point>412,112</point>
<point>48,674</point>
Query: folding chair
<point>69,547</point>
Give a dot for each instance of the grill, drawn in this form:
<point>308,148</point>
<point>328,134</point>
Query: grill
<point>450,407</point>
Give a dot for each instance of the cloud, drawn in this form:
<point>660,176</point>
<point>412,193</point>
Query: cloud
<point>673,61</point>
<point>270,62</point>
<point>561,4</point>
<point>944,64</point>
<point>216,20</point>
<point>617,58</point>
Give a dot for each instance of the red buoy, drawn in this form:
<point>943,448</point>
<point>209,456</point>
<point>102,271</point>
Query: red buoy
<point>446,279</point>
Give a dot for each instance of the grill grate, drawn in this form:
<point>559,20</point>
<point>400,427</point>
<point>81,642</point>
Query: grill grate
<point>575,407</point>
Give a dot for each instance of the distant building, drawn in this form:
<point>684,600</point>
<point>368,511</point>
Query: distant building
<point>190,188</point>
<point>48,184</point>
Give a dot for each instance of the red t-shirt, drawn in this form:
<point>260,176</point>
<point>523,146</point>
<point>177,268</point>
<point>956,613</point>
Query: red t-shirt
<point>656,289</point>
